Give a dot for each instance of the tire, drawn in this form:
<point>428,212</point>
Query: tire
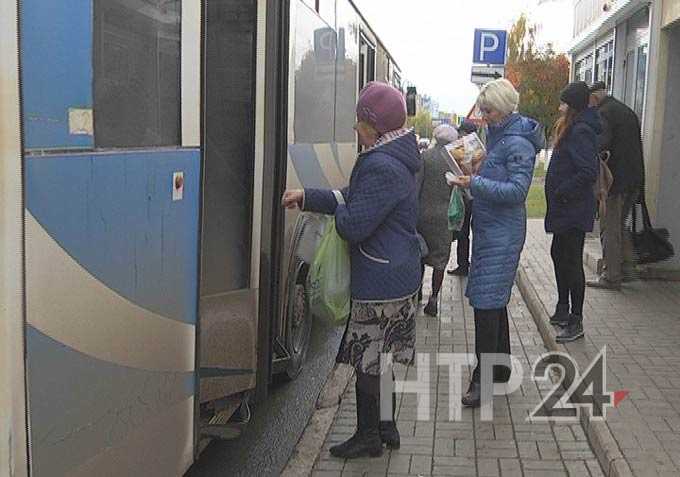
<point>298,323</point>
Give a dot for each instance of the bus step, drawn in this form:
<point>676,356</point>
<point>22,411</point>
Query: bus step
<point>225,425</point>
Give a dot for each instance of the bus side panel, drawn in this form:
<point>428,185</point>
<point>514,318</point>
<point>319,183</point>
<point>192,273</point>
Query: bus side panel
<point>111,312</point>
<point>50,63</point>
<point>13,448</point>
<point>347,79</point>
<point>382,67</point>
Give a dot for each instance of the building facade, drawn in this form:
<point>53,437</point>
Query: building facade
<point>611,44</point>
<point>662,127</point>
<point>634,47</point>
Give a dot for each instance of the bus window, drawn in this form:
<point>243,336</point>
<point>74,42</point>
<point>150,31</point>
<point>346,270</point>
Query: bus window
<point>366,62</point>
<point>229,154</point>
<point>136,73</point>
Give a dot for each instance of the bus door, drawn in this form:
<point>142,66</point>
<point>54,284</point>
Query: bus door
<point>228,286</point>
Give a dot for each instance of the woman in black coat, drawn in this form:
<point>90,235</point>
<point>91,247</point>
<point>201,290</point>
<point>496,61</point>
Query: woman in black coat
<point>570,198</point>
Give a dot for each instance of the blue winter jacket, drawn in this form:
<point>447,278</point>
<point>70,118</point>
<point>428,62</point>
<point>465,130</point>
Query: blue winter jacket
<point>571,176</point>
<point>378,219</point>
<point>499,215</point>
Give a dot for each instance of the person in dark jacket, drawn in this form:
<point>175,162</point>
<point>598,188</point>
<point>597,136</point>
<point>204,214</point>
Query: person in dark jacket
<point>499,218</point>
<point>462,237</point>
<point>571,204</point>
<point>621,136</point>
<point>377,215</point>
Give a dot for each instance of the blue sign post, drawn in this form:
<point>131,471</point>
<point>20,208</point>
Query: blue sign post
<point>490,47</point>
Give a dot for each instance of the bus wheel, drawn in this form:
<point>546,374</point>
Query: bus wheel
<point>298,323</point>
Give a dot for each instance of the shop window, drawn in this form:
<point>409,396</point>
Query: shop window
<point>136,73</point>
<point>604,63</point>
<point>583,70</point>
<point>641,79</point>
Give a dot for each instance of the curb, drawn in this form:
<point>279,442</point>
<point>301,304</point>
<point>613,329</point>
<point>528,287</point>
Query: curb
<point>594,262</point>
<point>612,461</point>
<point>309,446</point>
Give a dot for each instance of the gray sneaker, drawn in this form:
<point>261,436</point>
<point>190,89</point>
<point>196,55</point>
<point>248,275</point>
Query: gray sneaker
<point>573,331</point>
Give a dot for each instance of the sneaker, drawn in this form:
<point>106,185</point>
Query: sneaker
<point>461,271</point>
<point>561,315</point>
<point>603,283</point>
<point>573,331</point>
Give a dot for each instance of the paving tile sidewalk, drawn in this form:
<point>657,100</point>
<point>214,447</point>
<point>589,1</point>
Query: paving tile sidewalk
<point>508,446</point>
<point>640,326</point>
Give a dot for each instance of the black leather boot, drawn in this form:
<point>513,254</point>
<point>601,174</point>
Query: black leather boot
<point>366,440</point>
<point>389,434</point>
<point>473,397</point>
<point>561,315</point>
<point>431,307</point>
<point>573,331</point>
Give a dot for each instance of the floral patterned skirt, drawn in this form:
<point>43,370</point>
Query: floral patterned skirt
<point>379,327</point>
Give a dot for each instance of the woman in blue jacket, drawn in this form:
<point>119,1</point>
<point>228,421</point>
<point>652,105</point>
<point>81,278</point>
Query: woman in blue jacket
<point>571,203</point>
<point>377,214</point>
<point>499,188</point>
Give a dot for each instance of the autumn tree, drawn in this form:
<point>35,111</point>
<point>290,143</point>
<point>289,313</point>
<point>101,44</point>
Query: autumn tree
<point>538,74</point>
<point>422,123</point>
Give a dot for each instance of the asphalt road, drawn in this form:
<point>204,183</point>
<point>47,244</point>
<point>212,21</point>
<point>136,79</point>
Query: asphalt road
<point>277,424</point>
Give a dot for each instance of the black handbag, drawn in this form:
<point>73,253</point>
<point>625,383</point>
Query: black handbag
<point>651,245</point>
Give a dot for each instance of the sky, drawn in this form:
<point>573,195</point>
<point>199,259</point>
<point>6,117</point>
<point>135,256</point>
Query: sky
<point>432,40</point>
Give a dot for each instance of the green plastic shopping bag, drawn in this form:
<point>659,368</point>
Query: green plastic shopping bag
<point>328,280</point>
<point>456,210</point>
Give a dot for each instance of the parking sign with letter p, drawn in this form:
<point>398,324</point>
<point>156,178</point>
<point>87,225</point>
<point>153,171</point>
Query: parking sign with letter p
<point>489,47</point>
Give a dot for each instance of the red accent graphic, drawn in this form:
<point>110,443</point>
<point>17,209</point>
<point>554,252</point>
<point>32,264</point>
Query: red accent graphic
<point>620,396</point>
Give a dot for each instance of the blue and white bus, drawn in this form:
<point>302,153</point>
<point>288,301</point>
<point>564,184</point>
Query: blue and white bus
<point>151,283</point>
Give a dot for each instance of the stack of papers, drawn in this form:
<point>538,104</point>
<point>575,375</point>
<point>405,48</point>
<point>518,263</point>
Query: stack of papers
<point>463,151</point>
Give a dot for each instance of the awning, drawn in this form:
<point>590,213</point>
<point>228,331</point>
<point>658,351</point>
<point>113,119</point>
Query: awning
<point>621,10</point>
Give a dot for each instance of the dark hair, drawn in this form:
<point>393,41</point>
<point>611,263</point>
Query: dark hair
<point>563,125</point>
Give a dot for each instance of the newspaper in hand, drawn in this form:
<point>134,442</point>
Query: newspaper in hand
<point>463,151</point>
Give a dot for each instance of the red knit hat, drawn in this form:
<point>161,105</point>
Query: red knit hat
<point>381,106</point>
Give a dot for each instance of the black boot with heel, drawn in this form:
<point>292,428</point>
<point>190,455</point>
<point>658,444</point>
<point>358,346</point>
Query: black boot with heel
<point>366,440</point>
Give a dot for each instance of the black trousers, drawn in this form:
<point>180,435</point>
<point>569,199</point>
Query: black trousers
<point>463,238</point>
<point>492,335</point>
<point>567,257</point>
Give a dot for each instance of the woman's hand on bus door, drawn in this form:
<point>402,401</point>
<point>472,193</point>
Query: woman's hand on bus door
<point>293,199</point>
